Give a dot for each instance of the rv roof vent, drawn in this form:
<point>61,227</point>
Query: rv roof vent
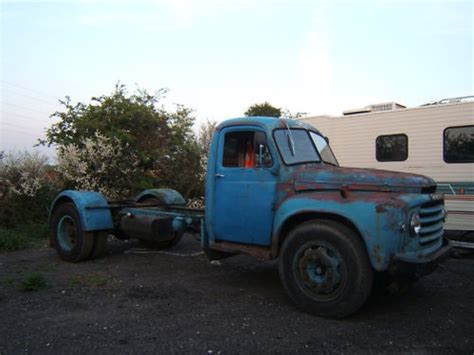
<point>384,106</point>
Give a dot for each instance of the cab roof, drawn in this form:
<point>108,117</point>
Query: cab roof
<point>268,123</point>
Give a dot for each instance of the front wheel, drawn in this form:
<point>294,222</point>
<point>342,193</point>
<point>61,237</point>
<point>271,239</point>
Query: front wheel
<point>325,270</point>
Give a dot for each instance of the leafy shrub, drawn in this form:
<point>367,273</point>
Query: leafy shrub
<point>26,189</point>
<point>99,164</point>
<point>145,146</point>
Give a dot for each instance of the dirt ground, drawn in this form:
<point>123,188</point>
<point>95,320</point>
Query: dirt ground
<point>134,302</point>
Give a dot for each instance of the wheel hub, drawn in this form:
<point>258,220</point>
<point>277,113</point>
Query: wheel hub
<point>66,231</point>
<point>320,269</point>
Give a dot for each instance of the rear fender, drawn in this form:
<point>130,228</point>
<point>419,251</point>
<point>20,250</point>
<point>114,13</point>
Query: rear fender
<point>91,206</point>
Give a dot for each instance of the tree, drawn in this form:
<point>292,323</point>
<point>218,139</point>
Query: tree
<point>206,130</point>
<point>264,109</point>
<point>162,144</point>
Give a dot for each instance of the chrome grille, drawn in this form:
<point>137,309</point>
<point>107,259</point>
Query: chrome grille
<point>431,218</point>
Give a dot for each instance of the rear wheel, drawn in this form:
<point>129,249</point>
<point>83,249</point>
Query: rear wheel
<point>70,241</point>
<point>325,269</point>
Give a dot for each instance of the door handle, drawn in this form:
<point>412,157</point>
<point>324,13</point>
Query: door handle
<point>219,175</point>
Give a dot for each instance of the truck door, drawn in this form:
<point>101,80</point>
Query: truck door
<point>244,187</point>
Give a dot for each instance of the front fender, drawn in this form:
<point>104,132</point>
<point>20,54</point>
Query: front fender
<point>91,206</point>
<point>377,221</point>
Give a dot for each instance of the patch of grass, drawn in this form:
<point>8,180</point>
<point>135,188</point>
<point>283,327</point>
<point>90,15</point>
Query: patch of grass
<point>23,236</point>
<point>11,239</point>
<point>89,280</point>
<point>33,282</point>
<point>8,282</point>
<point>35,230</point>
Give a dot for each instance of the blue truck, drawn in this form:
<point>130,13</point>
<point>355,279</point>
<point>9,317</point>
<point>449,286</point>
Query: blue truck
<point>274,190</point>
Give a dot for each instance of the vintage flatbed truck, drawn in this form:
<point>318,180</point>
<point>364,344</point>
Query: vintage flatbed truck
<point>274,190</point>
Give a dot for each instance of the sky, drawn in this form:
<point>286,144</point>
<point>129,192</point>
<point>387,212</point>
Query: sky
<point>219,57</point>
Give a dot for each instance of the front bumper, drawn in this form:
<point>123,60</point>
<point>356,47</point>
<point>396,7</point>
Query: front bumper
<point>422,266</point>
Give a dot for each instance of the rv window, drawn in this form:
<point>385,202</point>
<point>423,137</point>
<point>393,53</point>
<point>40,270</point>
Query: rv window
<point>391,147</point>
<point>458,144</point>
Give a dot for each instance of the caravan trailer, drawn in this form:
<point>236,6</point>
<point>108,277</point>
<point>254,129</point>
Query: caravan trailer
<point>435,139</point>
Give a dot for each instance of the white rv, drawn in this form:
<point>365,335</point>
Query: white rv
<point>436,140</point>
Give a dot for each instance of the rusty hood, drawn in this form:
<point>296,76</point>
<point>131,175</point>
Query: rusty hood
<point>329,177</point>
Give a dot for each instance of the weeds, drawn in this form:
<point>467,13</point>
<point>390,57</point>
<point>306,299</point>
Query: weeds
<point>8,282</point>
<point>33,282</point>
<point>22,236</point>
<point>11,240</point>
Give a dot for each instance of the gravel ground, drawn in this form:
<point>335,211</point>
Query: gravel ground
<point>133,302</point>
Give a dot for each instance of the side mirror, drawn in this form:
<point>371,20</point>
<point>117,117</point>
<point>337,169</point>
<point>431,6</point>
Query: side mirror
<point>260,155</point>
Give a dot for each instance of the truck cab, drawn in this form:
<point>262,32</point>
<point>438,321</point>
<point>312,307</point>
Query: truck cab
<point>274,183</point>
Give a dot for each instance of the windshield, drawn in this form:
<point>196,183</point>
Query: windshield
<point>296,146</point>
<point>324,149</point>
<point>303,150</point>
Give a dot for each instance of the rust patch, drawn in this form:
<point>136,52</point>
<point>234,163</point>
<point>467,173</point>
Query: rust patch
<point>380,209</point>
<point>360,179</point>
<point>376,254</point>
<point>344,192</point>
<point>389,204</point>
<point>258,252</point>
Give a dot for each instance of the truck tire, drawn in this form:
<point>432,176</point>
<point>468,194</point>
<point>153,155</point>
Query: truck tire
<point>71,242</point>
<point>155,244</point>
<point>325,269</point>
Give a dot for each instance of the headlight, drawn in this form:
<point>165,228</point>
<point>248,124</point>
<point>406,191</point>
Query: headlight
<point>415,224</point>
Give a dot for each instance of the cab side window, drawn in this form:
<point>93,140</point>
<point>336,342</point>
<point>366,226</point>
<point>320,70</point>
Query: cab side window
<point>246,149</point>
